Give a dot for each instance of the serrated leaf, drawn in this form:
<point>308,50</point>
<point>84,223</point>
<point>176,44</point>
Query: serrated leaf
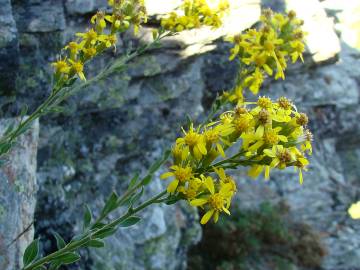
<point>110,204</point>
<point>60,242</point>
<point>31,252</point>
<point>103,233</point>
<point>67,258</point>
<point>96,244</point>
<point>130,221</point>
<point>87,217</point>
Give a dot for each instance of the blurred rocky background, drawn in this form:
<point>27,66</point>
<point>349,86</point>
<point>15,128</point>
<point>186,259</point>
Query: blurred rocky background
<point>119,126</point>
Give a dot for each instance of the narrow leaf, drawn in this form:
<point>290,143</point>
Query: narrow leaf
<point>23,111</point>
<point>31,252</point>
<point>130,221</point>
<point>110,205</point>
<point>136,197</point>
<point>67,258</point>
<point>103,233</point>
<point>133,181</point>
<point>98,225</point>
<point>87,217</point>
<point>60,243</point>
<point>54,266</point>
<point>96,244</point>
<point>147,179</point>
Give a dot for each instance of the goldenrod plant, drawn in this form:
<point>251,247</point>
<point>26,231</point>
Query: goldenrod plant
<point>263,135</point>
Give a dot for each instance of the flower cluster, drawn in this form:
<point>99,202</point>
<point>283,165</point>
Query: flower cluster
<point>266,51</point>
<point>102,35</point>
<point>195,14</point>
<point>271,134</point>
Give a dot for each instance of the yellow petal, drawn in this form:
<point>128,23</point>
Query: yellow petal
<point>198,202</point>
<point>209,184</point>
<point>216,216</point>
<point>202,148</point>
<point>354,211</point>
<point>226,211</point>
<point>172,186</point>
<point>267,172</point>
<point>269,153</point>
<point>205,219</point>
<point>166,175</point>
<point>220,150</point>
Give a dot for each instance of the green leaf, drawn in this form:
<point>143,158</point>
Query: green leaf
<point>130,221</point>
<point>87,217</point>
<point>10,128</point>
<point>160,162</point>
<point>40,268</point>
<point>60,243</point>
<point>103,233</point>
<point>172,200</point>
<point>147,179</point>
<point>23,111</point>
<point>136,197</point>
<point>67,258</point>
<point>133,181</point>
<point>31,252</point>
<point>54,265</point>
<point>4,148</point>
<point>98,225</point>
<point>110,205</point>
<point>96,244</point>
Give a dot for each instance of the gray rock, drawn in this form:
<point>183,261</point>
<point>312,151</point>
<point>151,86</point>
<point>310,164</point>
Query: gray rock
<point>18,197</point>
<point>39,16</point>
<point>9,49</point>
<point>76,7</point>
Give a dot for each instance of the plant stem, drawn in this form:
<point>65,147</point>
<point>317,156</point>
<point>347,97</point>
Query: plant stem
<point>83,241</point>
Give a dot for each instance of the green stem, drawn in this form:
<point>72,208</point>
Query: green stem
<point>83,241</point>
<point>62,94</point>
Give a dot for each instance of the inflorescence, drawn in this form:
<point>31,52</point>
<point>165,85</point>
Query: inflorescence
<point>101,36</point>
<point>266,52</point>
<point>273,135</point>
<point>194,14</point>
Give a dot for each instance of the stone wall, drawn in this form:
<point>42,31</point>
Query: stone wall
<point>119,126</point>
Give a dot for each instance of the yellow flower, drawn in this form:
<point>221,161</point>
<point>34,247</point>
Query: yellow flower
<point>254,81</point>
<point>354,210</point>
<point>61,67</point>
<point>77,67</point>
<point>195,141</point>
<point>181,175</point>
<point>99,20</point>
<point>226,179</point>
<point>89,38</point>
<point>217,201</point>
<point>281,156</point>
<point>74,49</point>
<point>192,189</point>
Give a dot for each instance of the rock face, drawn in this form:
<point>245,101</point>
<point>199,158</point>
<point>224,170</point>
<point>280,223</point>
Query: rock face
<point>120,125</point>
<point>9,49</point>
<point>18,197</point>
